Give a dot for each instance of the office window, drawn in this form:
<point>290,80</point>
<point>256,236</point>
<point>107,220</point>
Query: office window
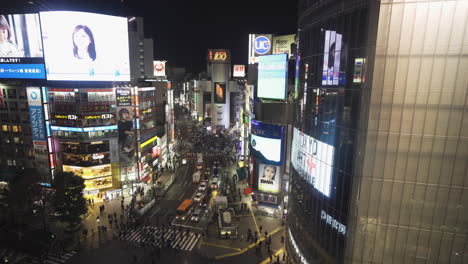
<point>5,128</point>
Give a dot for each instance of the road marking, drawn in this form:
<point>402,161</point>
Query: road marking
<point>255,221</point>
<point>217,245</point>
<point>277,253</point>
<point>180,198</point>
<point>155,212</point>
<point>91,209</point>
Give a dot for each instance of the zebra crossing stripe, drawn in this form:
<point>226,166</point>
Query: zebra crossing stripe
<point>186,246</point>
<point>194,242</point>
<point>187,241</point>
<point>55,259</point>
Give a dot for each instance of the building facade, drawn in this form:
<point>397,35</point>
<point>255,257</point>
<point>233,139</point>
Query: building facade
<point>378,162</point>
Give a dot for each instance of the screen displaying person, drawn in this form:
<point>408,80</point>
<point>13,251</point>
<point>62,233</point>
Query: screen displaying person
<point>269,174</point>
<point>127,138</point>
<point>84,47</point>
<point>7,47</point>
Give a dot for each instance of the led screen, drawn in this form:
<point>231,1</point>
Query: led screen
<point>21,55</point>
<point>331,58</point>
<point>220,93</point>
<point>268,178</point>
<point>266,142</point>
<point>313,160</point>
<point>85,47</point>
<point>272,76</point>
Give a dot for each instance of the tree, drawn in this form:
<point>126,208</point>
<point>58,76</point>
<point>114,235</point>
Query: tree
<point>68,201</point>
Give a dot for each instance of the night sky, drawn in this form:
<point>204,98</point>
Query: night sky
<point>183,30</point>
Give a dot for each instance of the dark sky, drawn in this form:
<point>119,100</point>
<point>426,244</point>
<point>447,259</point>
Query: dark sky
<point>183,30</point>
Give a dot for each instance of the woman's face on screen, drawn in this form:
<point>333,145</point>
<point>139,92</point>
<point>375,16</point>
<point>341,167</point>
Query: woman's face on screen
<point>81,39</point>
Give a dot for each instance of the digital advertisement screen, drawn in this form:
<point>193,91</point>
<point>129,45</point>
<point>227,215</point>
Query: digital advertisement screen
<point>331,58</point>
<point>313,160</point>
<point>89,172</point>
<point>269,178</point>
<point>266,142</point>
<point>21,55</point>
<point>86,160</point>
<point>85,46</point>
<point>220,93</point>
<point>273,76</point>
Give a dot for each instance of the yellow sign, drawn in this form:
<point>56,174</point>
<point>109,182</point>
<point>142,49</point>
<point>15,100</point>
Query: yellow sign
<point>148,141</point>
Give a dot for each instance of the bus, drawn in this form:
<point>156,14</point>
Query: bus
<point>200,161</point>
<point>184,209</point>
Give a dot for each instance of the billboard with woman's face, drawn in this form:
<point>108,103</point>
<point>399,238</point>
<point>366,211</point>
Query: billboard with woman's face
<point>21,53</point>
<point>268,178</point>
<point>85,46</point>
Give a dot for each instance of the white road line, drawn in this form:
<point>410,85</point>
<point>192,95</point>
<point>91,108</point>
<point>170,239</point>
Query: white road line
<point>157,210</point>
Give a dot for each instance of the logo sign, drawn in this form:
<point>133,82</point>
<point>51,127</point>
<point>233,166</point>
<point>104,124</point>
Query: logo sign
<point>123,96</point>
<point>239,71</point>
<point>98,156</point>
<point>262,45</point>
<point>219,56</point>
<point>159,68</point>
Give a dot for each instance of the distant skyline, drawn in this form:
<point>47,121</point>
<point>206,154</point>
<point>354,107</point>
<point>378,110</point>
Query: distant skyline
<point>183,31</point>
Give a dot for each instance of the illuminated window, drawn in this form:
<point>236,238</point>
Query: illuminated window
<point>5,128</point>
<point>17,140</point>
<point>15,128</point>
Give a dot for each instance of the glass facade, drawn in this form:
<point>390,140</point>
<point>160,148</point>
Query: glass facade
<point>383,83</point>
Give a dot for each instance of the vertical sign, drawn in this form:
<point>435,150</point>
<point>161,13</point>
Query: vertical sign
<point>127,135</point>
<point>36,115</point>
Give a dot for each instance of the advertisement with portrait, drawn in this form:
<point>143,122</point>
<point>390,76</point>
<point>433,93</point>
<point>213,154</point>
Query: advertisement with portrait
<point>334,59</point>
<point>266,142</point>
<point>282,44</point>
<point>219,93</point>
<point>21,54</point>
<point>159,68</point>
<point>313,160</point>
<point>269,178</point>
<point>82,46</point>
<point>273,76</point>
<point>127,136</point>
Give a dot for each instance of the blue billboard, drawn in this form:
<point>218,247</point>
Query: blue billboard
<point>273,76</point>
<point>266,142</point>
<point>36,116</point>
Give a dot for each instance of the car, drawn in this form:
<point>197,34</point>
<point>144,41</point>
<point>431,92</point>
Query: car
<point>207,171</point>
<point>196,215</point>
<point>214,183</point>
<point>202,186</point>
<point>198,197</point>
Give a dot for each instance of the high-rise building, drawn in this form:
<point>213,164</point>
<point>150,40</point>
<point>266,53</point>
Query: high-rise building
<point>378,160</point>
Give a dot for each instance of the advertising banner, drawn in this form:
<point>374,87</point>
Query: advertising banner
<point>219,93</point>
<point>86,160</point>
<point>259,44</point>
<point>219,56</point>
<point>269,178</point>
<point>89,172</point>
<point>82,46</point>
<point>313,160</point>
<point>282,44</point>
<point>159,68</point>
<point>331,58</point>
<point>239,71</point>
<point>38,133</point>
<point>127,135</point>
<point>273,76</point>
<point>266,142</point>
<point>21,53</point>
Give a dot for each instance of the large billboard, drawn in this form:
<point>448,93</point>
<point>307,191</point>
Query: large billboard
<point>269,178</point>
<point>266,142</point>
<point>159,68</point>
<point>21,54</point>
<point>219,93</point>
<point>259,44</point>
<point>85,46</point>
<point>313,160</point>
<point>38,132</point>
<point>127,136</point>
<point>273,76</point>
<point>282,44</point>
<point>331,58</point>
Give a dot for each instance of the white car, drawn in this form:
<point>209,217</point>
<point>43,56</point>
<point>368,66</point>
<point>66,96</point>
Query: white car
<point>202,186</point>
<point>198,197</point>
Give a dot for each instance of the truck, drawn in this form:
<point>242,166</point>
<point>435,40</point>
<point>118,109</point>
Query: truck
<point>196,177</point>
<point>199,161</point>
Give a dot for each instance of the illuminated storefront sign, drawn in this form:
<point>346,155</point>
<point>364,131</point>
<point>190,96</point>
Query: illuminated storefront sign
<point>85,129</point>
<point>99,183</point>
<point>89,172</point>
<point>148,141</point>
<point>332,221</point>
<point>239,71</point>
<point>259,44</point>
<point>98,156</point>
<point>123,96</point>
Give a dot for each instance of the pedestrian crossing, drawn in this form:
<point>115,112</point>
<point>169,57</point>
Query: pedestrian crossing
<point>52,258</point>
<point>162,237</point>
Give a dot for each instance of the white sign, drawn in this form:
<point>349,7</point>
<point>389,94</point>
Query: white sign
<point>313,160</point>
<point>332,221</point>
<point>268,178</point>
<point>159,68</point>
<point>239,71</point>
<point>282,44</point>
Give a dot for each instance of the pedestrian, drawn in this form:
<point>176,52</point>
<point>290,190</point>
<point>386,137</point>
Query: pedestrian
<point>260,228</point>
<point>266,233</point>
<point>284,256</point>
<point>241,237</point>
<point>277,259</point>
<point>271,258</point>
